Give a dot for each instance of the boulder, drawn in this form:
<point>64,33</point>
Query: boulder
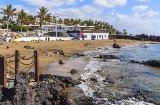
<point>73,71</point>
<point>115,45</point>
<point>93,79</point>
<point>46,92</point>
<point>154,63</point>
<point>103,56</point>
<point>60,62</point>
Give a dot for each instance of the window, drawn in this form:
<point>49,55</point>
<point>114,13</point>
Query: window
<point>99,36</point>
<point>105,36</point>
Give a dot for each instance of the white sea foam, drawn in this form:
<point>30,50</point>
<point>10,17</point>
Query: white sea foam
<point>90,68</point>
<point>91,71</point>
<point>132,101</point>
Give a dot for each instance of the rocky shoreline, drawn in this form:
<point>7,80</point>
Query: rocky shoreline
<point>52,89</point>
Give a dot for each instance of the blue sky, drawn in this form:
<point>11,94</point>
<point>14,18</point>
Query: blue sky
<point>137,16</point>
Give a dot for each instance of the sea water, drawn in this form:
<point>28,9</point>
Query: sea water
<point>127,77</point>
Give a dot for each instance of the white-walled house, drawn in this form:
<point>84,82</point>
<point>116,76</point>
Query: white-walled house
<point>89,35</point>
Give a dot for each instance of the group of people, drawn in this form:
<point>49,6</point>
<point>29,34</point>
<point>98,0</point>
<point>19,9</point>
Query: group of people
<point>46,39</point>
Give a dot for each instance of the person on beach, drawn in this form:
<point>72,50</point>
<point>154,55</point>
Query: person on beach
<point>48,38</point>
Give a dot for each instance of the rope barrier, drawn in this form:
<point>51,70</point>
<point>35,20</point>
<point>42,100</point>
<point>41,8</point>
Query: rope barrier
<point>10,56</point>
<point>30,67</point>
<point>26,67</point>
<point>10,61</point>
<point>11,67</point>
<point>28,63</point>
<point>23,57</point>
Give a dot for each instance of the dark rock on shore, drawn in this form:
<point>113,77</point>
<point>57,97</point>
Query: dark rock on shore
<point>105,56</point>
<point>61,62</point>
<point>93,79</point>
<point>84,101</point>
<point>133,61</point>
<point>153,63</point>
<point>79,54</point>
<point>48,92</point>
<point>28,47</point>
<point>68,81</point>
<point>108,57</point>
<point>140,96</point>
<point>141,37</point>
<point>73,71</point>
<point>115,45</point>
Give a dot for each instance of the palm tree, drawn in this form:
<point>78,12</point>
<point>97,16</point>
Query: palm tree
<point>118,32</point>
<point>22,17</point>
<point>124,32</point>
<point>30,20</point>
<point>42,15</point>
<point>66,21</point>
<point>8,13</point>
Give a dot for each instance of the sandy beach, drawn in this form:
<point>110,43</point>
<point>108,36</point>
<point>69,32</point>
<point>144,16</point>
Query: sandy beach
<point>45,48</point>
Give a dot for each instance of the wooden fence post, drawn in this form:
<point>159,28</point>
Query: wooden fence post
<point>3,71</point>
<point>36,58</point>
<point>16,61</point>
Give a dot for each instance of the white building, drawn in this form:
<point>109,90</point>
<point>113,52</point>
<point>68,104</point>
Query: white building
<point>89,35</point>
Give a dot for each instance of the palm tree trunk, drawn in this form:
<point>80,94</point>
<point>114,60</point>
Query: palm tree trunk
<point>27,29</point>
<point>7,27</point>
<point>21,29</point>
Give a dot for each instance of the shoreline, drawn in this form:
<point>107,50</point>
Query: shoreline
<point>46,48</point>
<point>92,80</point>
<point>73,90</point>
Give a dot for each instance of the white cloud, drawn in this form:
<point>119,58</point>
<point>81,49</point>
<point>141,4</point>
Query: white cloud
<point>109,3</point>
<point>150,14</point>
<point>81,0</point>
<point>49,3</point>
<point>20,7</point>
<point>140,8</point>
<point>141,12</point>
<point>136,25</point>
<point>79,13</point>
<point>144,0</point>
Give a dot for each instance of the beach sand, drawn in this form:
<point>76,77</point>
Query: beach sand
<point>45,49</point>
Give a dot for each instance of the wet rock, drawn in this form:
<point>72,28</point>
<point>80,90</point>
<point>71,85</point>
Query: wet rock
<point>60,62</point>
<point>84,100</point>
<point>140,95</point>
<point>105,56</point>
<point>93,79</point>
<point>98,94</point>
<point>154,63</point>
<point>111,82</point>
<point>99,71</point>
<point>144,46</point>
<point>73,71</point>
<point>111,101</point>
<point>80,79</point>
<point>79,54</point>
<point>115,45</point>
<point>133,61</point>
<point>43,93</point>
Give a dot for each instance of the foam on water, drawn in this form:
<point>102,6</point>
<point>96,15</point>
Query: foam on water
<point>91,71</point>
<point>90,68</point>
